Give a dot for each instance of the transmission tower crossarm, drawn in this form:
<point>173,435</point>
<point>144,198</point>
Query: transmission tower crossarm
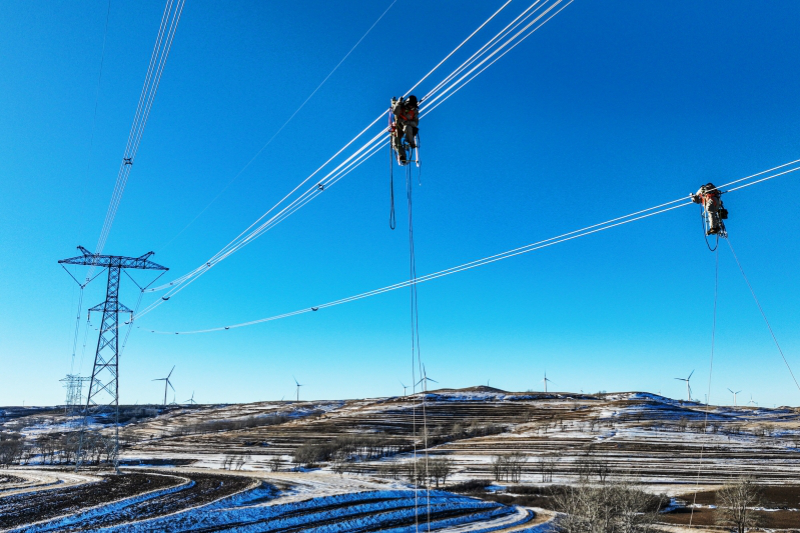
<point>114,261</point>
<point>121,308</point>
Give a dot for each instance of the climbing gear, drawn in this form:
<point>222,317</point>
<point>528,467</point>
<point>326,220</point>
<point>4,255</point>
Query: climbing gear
<point>404,129</point>
<point>392,219</point>
<point>404,141</point>
<point>713,214</point>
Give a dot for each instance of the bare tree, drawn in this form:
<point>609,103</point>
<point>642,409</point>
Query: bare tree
<point>585,467</point>
<point>440,468</point>
<point>637,510</point>
<point>515,463</point>
<point>508,467</point>
<point>275,463</point>
<point>339,464</point>
<point>618,507</point>
<point>735,503</point>
<point>390,470</point>
<point>499,467</point>
<point>11,446</point>
<point>227,463</point>
<point>415,471</point>
<point>602,469</point>
<point>547,467</point>
<point>46,445</point>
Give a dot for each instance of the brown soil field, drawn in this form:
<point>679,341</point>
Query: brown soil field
<point>42,505</point>
<point>784,499</point>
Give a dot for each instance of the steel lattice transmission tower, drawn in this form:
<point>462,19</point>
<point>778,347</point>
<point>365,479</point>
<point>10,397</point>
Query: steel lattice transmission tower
<point>104,381</point>
<point>74,385</point>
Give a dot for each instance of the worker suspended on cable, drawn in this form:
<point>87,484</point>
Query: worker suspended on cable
<point>406,124</point>
<point>709,197</point>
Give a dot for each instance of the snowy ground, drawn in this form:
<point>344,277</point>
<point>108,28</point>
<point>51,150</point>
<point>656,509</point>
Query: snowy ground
<point>668,446</point>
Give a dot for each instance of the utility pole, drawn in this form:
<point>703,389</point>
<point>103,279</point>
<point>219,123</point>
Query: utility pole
<point>105,373</point>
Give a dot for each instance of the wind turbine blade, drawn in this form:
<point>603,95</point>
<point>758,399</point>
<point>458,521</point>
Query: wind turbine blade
<point>431,379</point>
<point>690,376</point>
<point>170,386</point>
<point>295,381</point>
<point>170,372</point>
<point>731,391</point>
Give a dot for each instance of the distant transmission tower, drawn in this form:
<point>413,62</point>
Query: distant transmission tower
<point>105,373</point>
<point>74,385</point>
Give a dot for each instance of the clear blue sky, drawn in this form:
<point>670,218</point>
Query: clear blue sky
<point>611,107</point>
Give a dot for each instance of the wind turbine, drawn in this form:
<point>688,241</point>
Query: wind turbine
<point>425,379</point>
<point>191,401</point>
<point>166,383</point>
<point>405,387</point>
<point>734,396</point>
<point>545,380</point>
<point>751,402</point>
<point>688,387</point>
<point>298,387</point>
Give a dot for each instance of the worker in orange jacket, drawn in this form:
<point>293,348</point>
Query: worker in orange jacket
<point>709,197</point>
<point>406,123</point>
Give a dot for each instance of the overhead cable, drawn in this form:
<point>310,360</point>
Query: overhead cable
<point>708,394</point>
<point>763,315</point>
<point>545,243</point>
<point>88,165</point>
<point>158,58</point>
<point>366,151</point>
<point>296,111</point>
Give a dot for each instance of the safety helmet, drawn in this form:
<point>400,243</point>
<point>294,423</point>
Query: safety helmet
<point>411,99</point>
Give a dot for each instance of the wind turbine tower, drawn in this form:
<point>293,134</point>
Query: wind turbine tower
<point>298,387</point>
<point>734,396</point>
<point>688,386</point>
<point>167,383</point>
<point>425,379</point>
<point>545,380</point>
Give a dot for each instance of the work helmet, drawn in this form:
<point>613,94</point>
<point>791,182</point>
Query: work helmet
<point>412,100</point>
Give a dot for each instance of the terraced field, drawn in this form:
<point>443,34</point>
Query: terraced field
<point>192,501</point>
<point>650,438</point>
<point>188,456</point>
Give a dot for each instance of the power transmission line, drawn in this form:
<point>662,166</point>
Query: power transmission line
<point>339,64</point>
<point>564,237</point>
<point>363,153</point>
<point>158,58</point>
